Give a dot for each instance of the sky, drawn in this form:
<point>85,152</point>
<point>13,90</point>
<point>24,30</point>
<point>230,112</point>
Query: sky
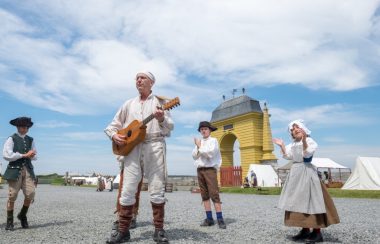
<point>71,64</point>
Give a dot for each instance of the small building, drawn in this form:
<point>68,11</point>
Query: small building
<point>243,119</point>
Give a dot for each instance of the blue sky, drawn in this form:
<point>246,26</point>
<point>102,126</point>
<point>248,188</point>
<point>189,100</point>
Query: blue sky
<point>70,64</point>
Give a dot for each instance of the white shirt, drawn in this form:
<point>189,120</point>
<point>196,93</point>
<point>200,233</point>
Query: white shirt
<point>135,109</point>
<point>208,154</point>
<point>11,156</point>
<point>295,152</point>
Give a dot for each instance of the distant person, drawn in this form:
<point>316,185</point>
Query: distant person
<point>304,197</point>
<point>246,182</point>
<point>19,150</point>
<point>207,158</point>
<point>327,178</point>
<point>147,157</point>
<point>253,179</point>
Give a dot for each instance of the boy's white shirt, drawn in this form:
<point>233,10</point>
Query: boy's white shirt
<point>208,154</point>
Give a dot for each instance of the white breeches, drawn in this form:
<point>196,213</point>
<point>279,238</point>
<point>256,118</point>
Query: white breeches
<point>147,158</point>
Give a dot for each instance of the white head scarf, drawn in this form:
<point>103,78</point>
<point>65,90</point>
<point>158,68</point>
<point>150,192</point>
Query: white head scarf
<point>148,74</point>
<point>300,124</point>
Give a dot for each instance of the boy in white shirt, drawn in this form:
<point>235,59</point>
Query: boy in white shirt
<point>207,158</point>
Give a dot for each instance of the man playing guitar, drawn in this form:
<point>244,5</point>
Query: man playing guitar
<point>146,157</point>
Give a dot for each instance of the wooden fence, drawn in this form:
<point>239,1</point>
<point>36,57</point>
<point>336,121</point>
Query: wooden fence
<point>230,176</point>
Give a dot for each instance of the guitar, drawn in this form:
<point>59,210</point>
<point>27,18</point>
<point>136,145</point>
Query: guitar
<point>135,132</point>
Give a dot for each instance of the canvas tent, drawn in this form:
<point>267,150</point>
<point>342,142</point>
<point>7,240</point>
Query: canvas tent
<point>318,163</point>
<point>321,164</point>
<point>266,176</point>
<point>365,176</point>
<point>116,182</point>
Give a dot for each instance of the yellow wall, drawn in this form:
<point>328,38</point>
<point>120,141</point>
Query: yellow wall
<point>248,130</point>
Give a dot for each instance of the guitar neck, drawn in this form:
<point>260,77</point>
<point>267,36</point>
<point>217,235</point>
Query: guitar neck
<point>148,119</point>
<point>169,105</point>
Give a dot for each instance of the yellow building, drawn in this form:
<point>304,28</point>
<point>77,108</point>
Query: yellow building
<point>242,119</point>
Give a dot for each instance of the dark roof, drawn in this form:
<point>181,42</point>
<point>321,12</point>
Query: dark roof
<point>234,107</point>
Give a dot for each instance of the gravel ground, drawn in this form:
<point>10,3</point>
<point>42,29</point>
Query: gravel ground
<point>82,215</point>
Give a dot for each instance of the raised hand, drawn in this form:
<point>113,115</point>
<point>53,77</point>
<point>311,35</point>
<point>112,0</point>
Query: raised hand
<point>197,142</point>
<point>278,141</point>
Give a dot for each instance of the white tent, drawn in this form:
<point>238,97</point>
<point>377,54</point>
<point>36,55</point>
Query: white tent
<point>117,179</point>
<point>318,163</point>
<point>365,176</point>
<point>326,163</point>
<point>266,176</point>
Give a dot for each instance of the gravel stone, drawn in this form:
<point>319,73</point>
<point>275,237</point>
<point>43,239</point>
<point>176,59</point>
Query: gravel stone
<point>82,215</point>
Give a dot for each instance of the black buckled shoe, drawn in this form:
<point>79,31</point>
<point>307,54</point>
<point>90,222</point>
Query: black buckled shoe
<point>314,237</point>
<point>9,225</point>
<point>24,221</point>
<point>221,224</point>
<point>302,235</point>
<point>118,237</point>
<point>207,222</point>
<point>160,236</point>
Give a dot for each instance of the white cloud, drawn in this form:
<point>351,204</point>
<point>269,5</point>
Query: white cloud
<point>191,117</point>
<point>53,124</point>
<point>328,115</point>
<point>73,58</point>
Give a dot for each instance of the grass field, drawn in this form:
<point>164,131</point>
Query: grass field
<point>334,192</point>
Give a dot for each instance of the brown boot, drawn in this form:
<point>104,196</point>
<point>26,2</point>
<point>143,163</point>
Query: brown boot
<point>22,217</point>
<point>158,219</point>
<point>125,217</point>
<point>9,225</point>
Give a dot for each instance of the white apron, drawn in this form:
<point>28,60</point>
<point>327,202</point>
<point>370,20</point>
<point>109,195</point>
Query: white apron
<point>302,192</point>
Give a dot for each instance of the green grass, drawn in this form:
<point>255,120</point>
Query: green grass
<point>334,192</point>
<point>257,191</point>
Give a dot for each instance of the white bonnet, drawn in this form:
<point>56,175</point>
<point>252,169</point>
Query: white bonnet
<point>300,124</point>
<point>148,74</point>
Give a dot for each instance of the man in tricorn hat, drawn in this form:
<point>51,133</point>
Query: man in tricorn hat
<point>19,150</point>
<point>208,159</point>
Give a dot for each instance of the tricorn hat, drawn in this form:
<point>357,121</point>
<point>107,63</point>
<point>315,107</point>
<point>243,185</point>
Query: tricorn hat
<point>22,121</point>
<point>206,124</point>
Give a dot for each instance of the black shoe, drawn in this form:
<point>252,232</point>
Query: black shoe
<point>118,237</point>
<point>314,237</point>
<point>302,235</point>
<point>160,236</point>
<point>133,224</point>
<point>24,221</point>
<point>208,222</point>
<point>9,225</point>
<point>221,224</point>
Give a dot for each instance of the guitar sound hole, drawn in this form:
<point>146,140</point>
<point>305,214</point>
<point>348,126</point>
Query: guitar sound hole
<point>129,133</point>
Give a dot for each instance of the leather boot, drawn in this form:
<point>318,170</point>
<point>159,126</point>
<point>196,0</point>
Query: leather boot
<point>158,219</point>
<point>9,225</point>
<point>122,234</point>
<point>22,217</point>
<point>314,237</point>
<point>133,222</point>
<point>302,235</point>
